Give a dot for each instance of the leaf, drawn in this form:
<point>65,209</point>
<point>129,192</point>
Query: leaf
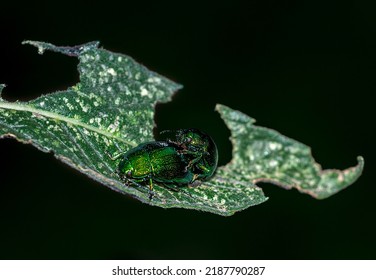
<point>112,110</point>
<point>264,155</point>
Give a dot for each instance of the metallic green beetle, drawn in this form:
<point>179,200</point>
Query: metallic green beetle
<point>160,161</point>
<point>201,151</point>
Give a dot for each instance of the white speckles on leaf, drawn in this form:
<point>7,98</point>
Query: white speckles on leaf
<point>4,113</point>
<point>85,109</point>
<point>143,131</point>
<point>111,111</point>
<point>111,71</point>
<point>144,91</point>
<point>275,146</point>
<point>107,142</point>
<point>38,116</point>
<point>273,163</point>
<point>112,128</point>
<point>98,121</point>
<point>105,111</point>
<point>87,58</point>
<point>272,157</point>
<point>154,80</point>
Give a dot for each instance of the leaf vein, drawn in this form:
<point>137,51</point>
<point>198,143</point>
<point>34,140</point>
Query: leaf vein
<point>55,116</point>
<point>89,162</point>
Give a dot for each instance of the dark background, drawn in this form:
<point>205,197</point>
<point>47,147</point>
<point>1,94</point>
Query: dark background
<point>306,69</point>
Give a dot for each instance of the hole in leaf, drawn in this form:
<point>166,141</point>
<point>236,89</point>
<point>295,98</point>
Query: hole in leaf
<point>34,75</point>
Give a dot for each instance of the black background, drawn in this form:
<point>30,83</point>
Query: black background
<point>306,69</point>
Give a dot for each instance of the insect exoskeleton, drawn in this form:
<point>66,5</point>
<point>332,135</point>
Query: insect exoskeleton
<point>158,161</point>
<point>200,149</point>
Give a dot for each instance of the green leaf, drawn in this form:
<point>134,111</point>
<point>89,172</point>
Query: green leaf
<point>109,111</point>
<point>112,110</point>
<point>264,155</point>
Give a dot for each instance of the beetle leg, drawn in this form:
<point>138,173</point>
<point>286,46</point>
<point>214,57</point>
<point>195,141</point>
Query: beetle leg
<point>202,167</point>
<point>128,182</point>
<point>192,162</point>
<point>151,193</point>
<point>116,156</point>
<point>150,184</point>
<point>187,152</point>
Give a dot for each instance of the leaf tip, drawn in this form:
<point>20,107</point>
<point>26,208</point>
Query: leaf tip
<point>357,170</point>
<point>229,114</point>
<point>70,51</point>
<point>353,173</point>
<point>2,86</point>
<point>333,181</point>
<point>360,162</point>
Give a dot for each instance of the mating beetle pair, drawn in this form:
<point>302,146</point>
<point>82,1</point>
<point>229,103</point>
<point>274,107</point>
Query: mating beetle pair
<point>187,159</point>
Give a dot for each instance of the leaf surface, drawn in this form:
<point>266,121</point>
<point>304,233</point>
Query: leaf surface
<point>111,110</point>
<point>263,155</point>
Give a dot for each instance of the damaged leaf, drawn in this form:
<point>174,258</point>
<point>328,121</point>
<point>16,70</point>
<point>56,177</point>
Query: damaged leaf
<point>111,110</point>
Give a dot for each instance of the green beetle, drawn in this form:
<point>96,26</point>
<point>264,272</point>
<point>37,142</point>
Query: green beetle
<point>201,151</point>
<point>160,161</point>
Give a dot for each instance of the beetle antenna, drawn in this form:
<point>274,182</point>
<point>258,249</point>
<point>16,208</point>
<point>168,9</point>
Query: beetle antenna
<point>165,131</point>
